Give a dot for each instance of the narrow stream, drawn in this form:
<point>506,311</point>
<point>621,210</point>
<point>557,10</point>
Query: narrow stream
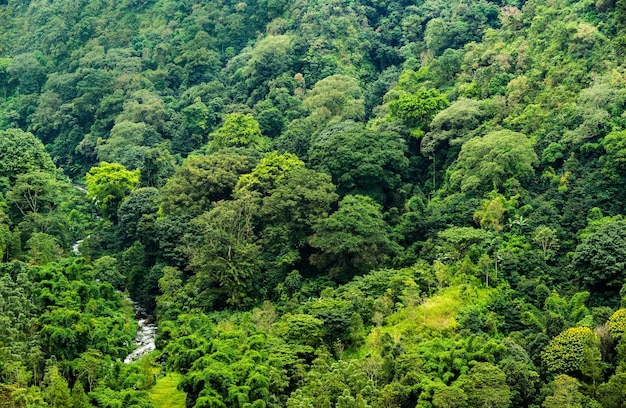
<point>145,336</point>
<point>75,247</point>
<point>146,333</point>
<point>80,188</point>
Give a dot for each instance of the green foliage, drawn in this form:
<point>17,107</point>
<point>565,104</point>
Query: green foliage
<point>611,394</point>
<point>352,240</point>
<point>57,392</point>
<point>301,328</point>
<point>157,167</point>
<point>521,375</point>
<point>224,252</point>
<point>238,130</point>
<point>137,210</point>
<point>463,238</point>
<point>565,393</point>
<point>202,180</point>
<point>416,110</point>
<point>617,323</point>
<point>453,125</point>
<point>34,192</point>
<point>79,397</point>
<point>362,161</point>
<point>491,214</point>
<point>598,257</point>
<point>268,173</point>
<point>21,153</point>
<point>615,144</point>
<point>269,58</point>
<point>146,84</point>
<point>546,238</point>
<point>239,367</point>
<point>108,185</point>
<point>43,248</point>
<point>172,299</point>
<point>488,162</point>
<point>165,393</point>
<point>567,352</point>
<point>335,383</point>
<point>449,397</point>
<point>334,99</point>
<point>72,323</point>
<point>485,385</point>
<point>107,397</point>
<point>126,145</point>
<point>297,202</point>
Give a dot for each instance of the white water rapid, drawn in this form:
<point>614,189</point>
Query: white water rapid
<point>144,338</point>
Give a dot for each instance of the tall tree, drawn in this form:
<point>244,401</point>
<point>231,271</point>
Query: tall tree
<point>334,99</point>
<point>238,130</point>
<point>224,253</point>
<point>485,386</point>
<point>418,109</point>
<point>487,162</point>
<point>203,180</point>
<point>108,184</point>
<point>21,152</point>
<point>598,260</point>
<point>362,161</point>
<point>352,240</point>
<point>57,392</point>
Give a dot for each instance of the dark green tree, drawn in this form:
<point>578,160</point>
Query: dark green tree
<point>599,258</point>
<point>300,199</point>
<point>224,253</point>
<point>139,203</point>
<point>449,397</point>
<point>352,240</point>
<point>362,161</point>
<point>269,58</point>
<point>34,192</point>
<point>487,162</point>
<point>203,180</point>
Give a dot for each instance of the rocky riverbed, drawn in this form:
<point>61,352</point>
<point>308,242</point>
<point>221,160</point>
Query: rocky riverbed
<point>144,338</point>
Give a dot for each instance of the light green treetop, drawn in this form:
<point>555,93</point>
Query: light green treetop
<point>487,162</point>
<point>108,184</point>
<point>238,130</point>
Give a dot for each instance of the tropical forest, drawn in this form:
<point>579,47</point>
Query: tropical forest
<point>312,203</point>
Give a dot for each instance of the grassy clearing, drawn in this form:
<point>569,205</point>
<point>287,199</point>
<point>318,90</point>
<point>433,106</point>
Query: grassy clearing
<point>433,317</point>
<point>164,393</point>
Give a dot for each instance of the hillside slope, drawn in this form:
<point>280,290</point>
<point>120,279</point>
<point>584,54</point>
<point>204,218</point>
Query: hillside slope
<point>321,203</point>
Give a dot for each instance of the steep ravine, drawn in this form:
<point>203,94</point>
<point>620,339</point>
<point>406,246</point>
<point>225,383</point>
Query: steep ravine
<point>146,333</point>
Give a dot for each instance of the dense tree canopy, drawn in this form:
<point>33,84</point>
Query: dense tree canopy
<point>202,180</point>
<point>600,256</point>
<point>353,239</point>
<point>21,153</point>
<point>488,162</point>
<point>238,130</point>
<point>328,204</point>
<point>362,161</point>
